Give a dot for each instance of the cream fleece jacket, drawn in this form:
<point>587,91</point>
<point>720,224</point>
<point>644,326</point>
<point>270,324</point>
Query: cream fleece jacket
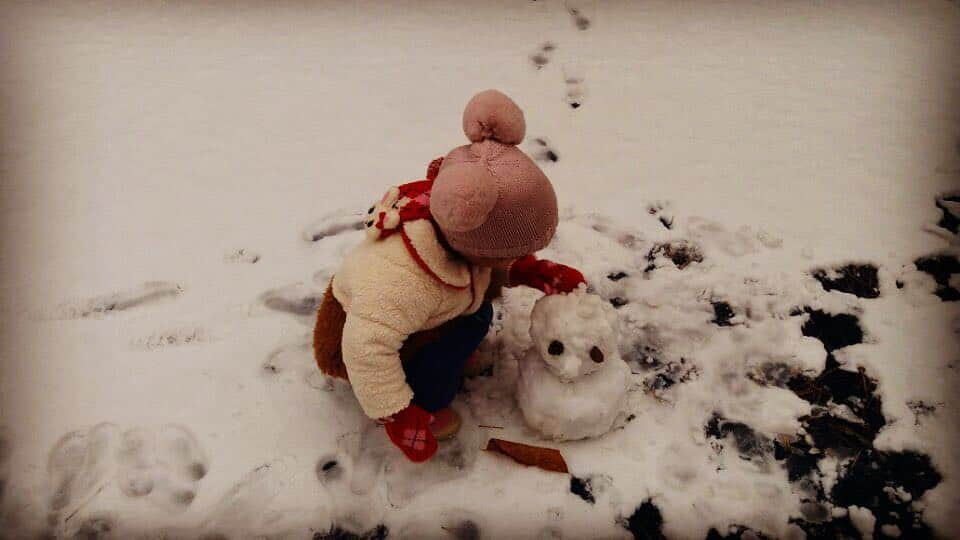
<point>387,295</point>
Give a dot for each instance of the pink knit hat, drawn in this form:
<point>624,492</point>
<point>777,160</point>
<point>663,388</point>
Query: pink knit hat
<point>491,200</point>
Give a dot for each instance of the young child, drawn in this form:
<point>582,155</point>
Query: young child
<point>410,305</point>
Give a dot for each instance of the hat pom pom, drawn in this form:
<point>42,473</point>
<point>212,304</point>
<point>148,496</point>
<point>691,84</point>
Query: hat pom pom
<point>492,115</point>
<point>462,197</point>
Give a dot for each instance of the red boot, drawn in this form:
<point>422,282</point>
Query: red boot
<point>446,423</point>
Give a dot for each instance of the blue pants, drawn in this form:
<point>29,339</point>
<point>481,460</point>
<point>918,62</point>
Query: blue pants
<point>435,373</point>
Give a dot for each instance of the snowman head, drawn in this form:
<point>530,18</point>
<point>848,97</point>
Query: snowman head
<point>575,334</point>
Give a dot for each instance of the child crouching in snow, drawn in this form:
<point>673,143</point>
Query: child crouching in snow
<point>409,306</point>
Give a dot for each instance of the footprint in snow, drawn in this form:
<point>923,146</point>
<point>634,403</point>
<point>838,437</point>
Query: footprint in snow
<point>242,256</point>
<point>739,243</point>
<point>149,292</point>
<point>452,524</point>
<point>542,56</point>
<point>291,363</point>
<point>95,527</point>
<point>371,455</point>
<point>79,466</point>
<point>626,237</point>
<point>576,86</point>
<point>241,509</point>
<point>543,151</point>
<point>332,224</point>
<point>579,19</point>
<point>297,299</point>
<point>329,470</point>
<point>162,465</point>
<point>172,338</point>
<point>660,210</point>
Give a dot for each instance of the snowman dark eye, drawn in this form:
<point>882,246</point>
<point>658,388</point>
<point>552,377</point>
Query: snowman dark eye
<point>370,211</point>
<point>555,348</point>
<point>596,355</point>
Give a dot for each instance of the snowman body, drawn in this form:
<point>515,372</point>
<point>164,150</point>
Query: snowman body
<point>572,382</point>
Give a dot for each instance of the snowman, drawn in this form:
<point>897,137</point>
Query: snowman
<point>572,381</point>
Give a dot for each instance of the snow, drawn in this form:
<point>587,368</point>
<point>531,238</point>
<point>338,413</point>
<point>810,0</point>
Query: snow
<point>572,383</point>
<point>181,180</point>
<point>863,519</point>
<point>890,530</point>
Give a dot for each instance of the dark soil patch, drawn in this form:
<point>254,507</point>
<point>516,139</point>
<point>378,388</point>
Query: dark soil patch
<point>842,436</point>
<point>617,276</point>
<point>854,389</point>
<point>671,373</point>
<point>834,330</point>
<point>681,253</point>
<point>380,532</point>
<point>750,444</point>
<point>583,488</point>
<point>722,313</point>
<point>920,408</point>
<point>643,357</point>
<point>837,528</point>
<point>941,267</point>
<point>857,279</point>
<point>797,458</point>
<point>736,532</point>
<point>871,472</point>
<point>948,221</point>
<point>646,522</point>
<point>776,374</point>
<point>872,478</point>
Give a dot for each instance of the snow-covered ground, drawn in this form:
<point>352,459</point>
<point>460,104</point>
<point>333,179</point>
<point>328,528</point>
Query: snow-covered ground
<point>179,182</point>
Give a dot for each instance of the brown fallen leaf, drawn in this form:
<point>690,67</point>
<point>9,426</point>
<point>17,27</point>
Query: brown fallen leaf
<point>548,459</point>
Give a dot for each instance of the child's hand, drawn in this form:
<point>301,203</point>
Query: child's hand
<point>409,430</point>
<point>548,276</point>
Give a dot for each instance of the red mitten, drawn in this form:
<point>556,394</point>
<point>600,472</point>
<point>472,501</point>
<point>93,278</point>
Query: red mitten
<point>548,276</point>
<point>409,430</point>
